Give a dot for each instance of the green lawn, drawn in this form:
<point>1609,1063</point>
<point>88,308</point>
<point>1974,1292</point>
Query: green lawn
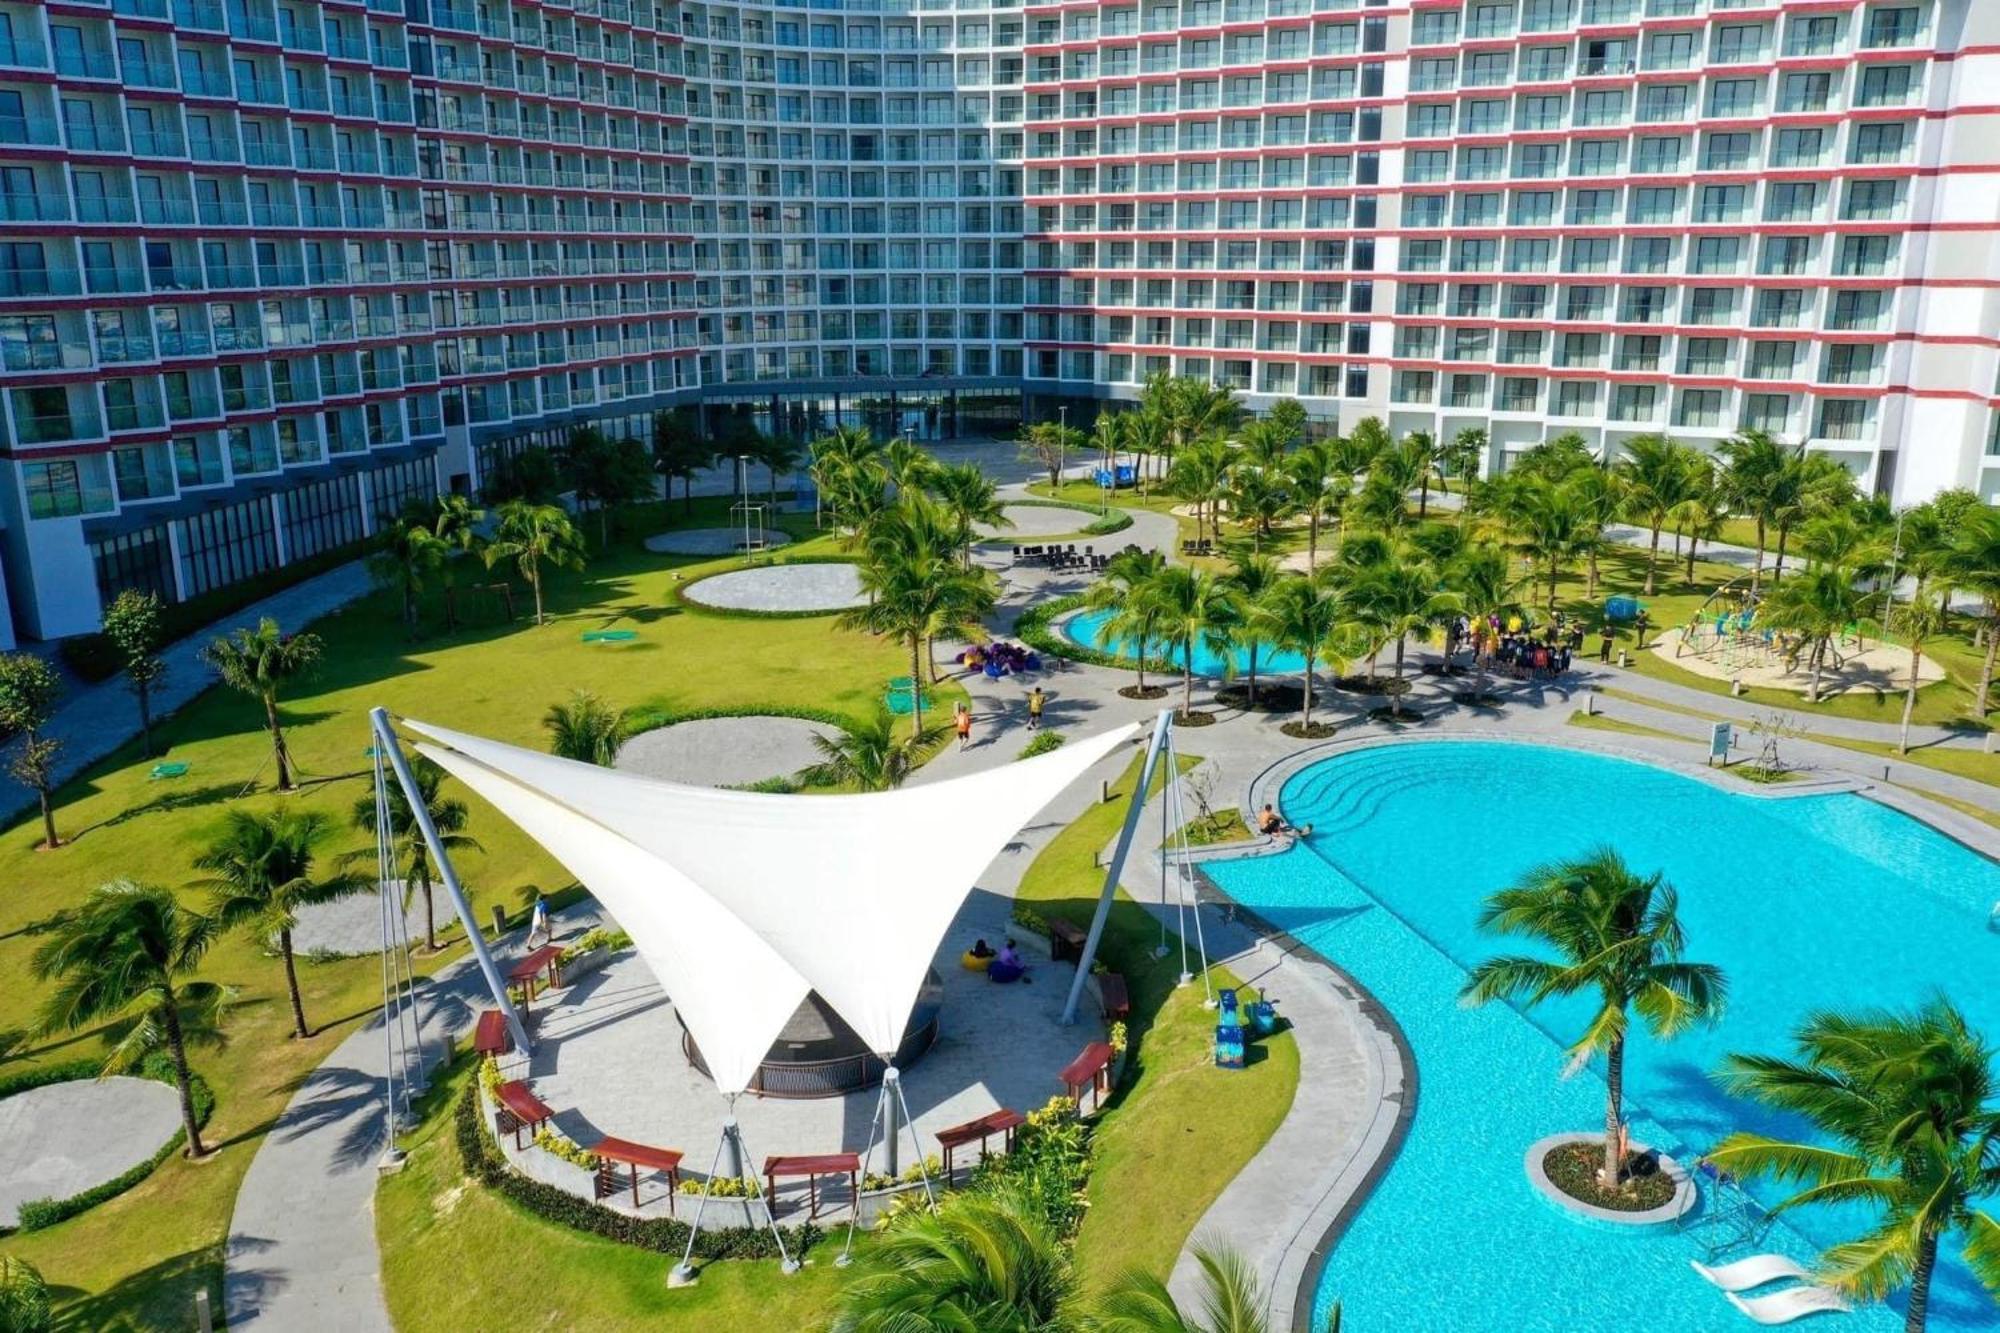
<point>136,1262</point>
<point>1604,722</point>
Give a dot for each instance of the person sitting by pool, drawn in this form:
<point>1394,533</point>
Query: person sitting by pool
<point>1270,823</point>
<point>979,957</point>
<point>1007,966</point>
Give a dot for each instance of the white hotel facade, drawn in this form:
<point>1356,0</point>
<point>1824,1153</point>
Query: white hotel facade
<point>268,270</point>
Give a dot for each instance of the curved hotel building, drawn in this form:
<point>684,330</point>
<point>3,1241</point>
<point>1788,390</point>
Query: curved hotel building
<point>270,268</point>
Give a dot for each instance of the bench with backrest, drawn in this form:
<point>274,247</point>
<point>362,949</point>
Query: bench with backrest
<point>1092,1069</point>
<point>520,1109</point>
<point>1002,1121</point>
<point>490,1035</point>
<point>1113,995</point>
<point>812,1168</point>
<point>636,1157</point>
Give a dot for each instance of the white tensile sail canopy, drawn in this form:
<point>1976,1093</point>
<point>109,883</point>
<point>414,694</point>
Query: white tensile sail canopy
<point>741,902</point>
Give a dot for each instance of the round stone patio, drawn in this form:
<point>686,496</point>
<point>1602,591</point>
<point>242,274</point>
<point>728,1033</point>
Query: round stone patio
<point>1032,521</point>
<point>65,1138</point>
<point>781,588</point>
<point>724,751</point>
<point>709,541</point>
<point>350,926</point>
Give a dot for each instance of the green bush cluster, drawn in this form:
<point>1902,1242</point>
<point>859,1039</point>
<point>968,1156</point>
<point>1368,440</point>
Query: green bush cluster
<point>663,1235</point>
<point>69,1071</point>
<point>1048,1166</point>
<point>37,1214</point>
<point>653,716</point>
<point>1044,742</point>
<point>1029,919</point>
<point>597,938</point>
<point>558,1144</point>
<point>882,1180</point>
<point>724,1187</point>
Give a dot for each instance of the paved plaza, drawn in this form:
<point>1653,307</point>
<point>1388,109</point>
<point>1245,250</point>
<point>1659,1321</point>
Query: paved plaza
<point>724,751</point>
<point>821,586</point>
<point>709,541</point>
<point>1026,522</point>
<point>72,1136</point>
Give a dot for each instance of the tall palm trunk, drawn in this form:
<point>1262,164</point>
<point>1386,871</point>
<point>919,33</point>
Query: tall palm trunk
<point>1396,698</point>
<point>1818,662</point>
<point>1250,698</point>
<point>1992,651</point>
<point>1920,1284</point>
<point>1424,497</point>
<point>1910,694</point>
<point>1653,561</point>
<point>535,582</point>
<point>1778,570</point>
<point>278,751</point>
<point>1187,698</point>
<point>916,688</point>
<point>1312,541</point>
<point>1590,592</point>
<point>430,910</point>
<point>1614,1109</point>
<point>1757,568</point>
<point>1309,690</point>
<point>170,1018</point>
<point>292,983</point>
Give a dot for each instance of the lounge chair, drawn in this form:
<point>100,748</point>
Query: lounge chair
<point>1755,1271</point>
<point>1793,1303</point>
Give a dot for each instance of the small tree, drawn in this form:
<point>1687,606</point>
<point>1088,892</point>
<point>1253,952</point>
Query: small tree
<point>866,755</point>
<point>132,624</point>
<point>585,729</point>
<point>679,452</point>
<point>258,663</point>
<point>448,817</point>
<point>24,1297</point>
<point>1050,444</point>
<point>532,535</point>
<point>410,551</point>
<point>29,687</point>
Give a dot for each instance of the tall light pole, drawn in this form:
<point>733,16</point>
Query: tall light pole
<point>1062,442</point>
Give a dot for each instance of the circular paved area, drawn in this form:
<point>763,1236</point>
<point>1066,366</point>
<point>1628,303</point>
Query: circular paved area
<point>818,587</point>
<point>350,926</point>
<point>1884,667</point>
<point>708,541</point>
<point>1032,521</point>
<point>65,1138</point>
<point>723,751</point>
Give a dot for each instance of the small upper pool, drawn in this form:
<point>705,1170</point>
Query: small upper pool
<point>1086,629</point>
<point>1805,902</point>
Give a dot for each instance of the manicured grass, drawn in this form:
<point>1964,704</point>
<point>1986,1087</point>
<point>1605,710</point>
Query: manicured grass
<point>1604,722</point>
<point>137,1261</point>
<point>456,1256</point>
<point>1218,827</point>
<point>1974,764</point>
<point>1984,814</point>
<point>1179,1129</point>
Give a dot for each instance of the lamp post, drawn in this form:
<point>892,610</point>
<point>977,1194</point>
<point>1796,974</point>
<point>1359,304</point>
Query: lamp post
<point>1062,444</point>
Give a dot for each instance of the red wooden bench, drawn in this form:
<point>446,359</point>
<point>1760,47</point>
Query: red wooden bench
<point>812,1168</point>
<point>491,1036</point>
<point>611,1153</point>
<point>1002,1121</point>
<point>520,1109</point>
<point>1092,1068</point>
<point>524,974</point>
<point>1065,941</point>
<point>1113,995</point>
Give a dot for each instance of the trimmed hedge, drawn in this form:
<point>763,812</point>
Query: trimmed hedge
<point>43,1075</point>
<point>651,717</point>
<point>1036,628</point>
<point>664,1235</point>
<point>37,1214</point>
<point>1103,525</point>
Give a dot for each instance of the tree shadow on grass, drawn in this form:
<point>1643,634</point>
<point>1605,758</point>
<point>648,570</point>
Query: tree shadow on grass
<point>160,1295</point>
<point>182,798</point>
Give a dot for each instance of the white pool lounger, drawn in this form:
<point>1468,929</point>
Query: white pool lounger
<point>1755,1271</point>
<point>1793,1303</point>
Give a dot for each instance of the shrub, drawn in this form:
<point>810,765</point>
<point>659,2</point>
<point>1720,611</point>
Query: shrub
<point>1118,1039</point>
<point>24,1297</point>
<point>1049,1165</point>
<point>724,1187</point>
<point>881,1180</point>
<point>1029,919</point>
<point>558,1144</point>
<point>598,938</point>
<point>1044,742</point>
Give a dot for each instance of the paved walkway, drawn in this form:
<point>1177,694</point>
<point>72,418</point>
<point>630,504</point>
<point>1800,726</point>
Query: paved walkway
<point>66,1138</point>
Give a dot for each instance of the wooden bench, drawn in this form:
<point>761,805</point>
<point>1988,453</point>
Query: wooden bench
<point>520,1109</point>
<point>490,1036</point>
<point>812,1168</point>
<point>524,974</point>
<point>1092,1068</point>
<point>637,1157</point>
<point>1002,1121</point>
<point>1113,995</point>
<point>1065,942</point>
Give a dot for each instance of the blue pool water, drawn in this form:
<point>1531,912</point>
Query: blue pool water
<point>1804,902</point>
<point>1087,630</point>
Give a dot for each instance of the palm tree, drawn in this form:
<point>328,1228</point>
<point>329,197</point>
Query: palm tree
<point>260,874</point>
<point>258,663</point>
<point>1421,443</point>
<point>1199,476</point>
<point>1250,578</point>
<point>410,551</point>
<point>1752,481</point>
<point>1232,1300</point>
<point>1259,497</point>
<point>909,464</point>
<point>1903,1103</point>
<point>1818,606</point>
<point>970,497</point>
<point>1807,487</point>
<point>1348,457</point>
<point>1310,472</point>
<point>586,729</point>
<point>866,755</point>
<point>1482,579</point>
<point>1548,522</point>
<point>532,535</point>
<point>456,524</point>
<point>127,956</point>
<point>1917,620</point>
<point>1600,496</point>
<point>1972,562</point>
<point>985,1262</point>
<point>1265,443</point>
<point>1194,609</point>
<point>1302,615</point>
<point>448,818</point>
<point>1461,457</point>
<point>24,1297</point>
<point>1122,592</point>
<point>916,587</point>
<point>1403,469</point>
<point>1147,436</point>
<point>1402,600</point>
<point>1699,517</point>
<point>847,469</point>
<point>1657,481</point>
<point>1615,933</point>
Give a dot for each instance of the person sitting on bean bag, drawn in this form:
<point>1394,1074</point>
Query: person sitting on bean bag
<point>1008,966</point>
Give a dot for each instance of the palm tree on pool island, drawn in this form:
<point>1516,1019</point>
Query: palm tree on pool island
<point>1907,1123</point>
<point>1616,934</point>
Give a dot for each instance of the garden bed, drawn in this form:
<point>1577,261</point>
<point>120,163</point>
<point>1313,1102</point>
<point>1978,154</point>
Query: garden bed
<point>1575,1167</point>
<point>1271,698</point>
<point>1317,731</point>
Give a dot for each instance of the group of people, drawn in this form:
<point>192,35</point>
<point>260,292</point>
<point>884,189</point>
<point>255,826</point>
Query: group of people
<point>1002,967</point>
<point>1524,651</point>
<point>961,719</point>
<point>1000,658</point>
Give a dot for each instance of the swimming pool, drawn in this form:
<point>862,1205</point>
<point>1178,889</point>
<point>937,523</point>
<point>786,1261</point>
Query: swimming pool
<point>1086,629</point>
<point>1804,902</point>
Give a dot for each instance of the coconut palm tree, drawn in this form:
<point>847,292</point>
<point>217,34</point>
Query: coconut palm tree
<point>1616,935</point>
<point>1600,496</point>
<point>909,464</point>
<point>1200,476</point>
<point>847,470</point>
<point>24,1297</point>
<point>1972,561</point>
<point>586,729</point>
<point>1121,592</point>
<point>1259,496</point>
<point>1265,443</point>
<point>456,524</point>
<point>1548,521</point>
<point>1753,483</point>
<point>1818,606</point>
<point>1403,600</point>
<point>1232,1300</point>
<point>1422,444</point>
<point>409,551</point>
<point>127,956</point>
<point>1250,577</point>
<point>1195,609</point>
<point>1304,615</point>
<point>1461,457</point>
<point>1147,436</point>
<point>261,874</point>
<point>1349,457</point>
<point>1657,481</point>
<point>1917,621</point>
<point>980,1261</point>
<point>971,499</point>
<point>866,755</point>
<point>1483,580</point>
<point>1309,473</point>
<point>1907,1123</point>
<point>259,663</point>
<point>1699,517</point>
<point>1806,488</point>
<point>448,818</point>
<point>532,535</point>
<point>917,590</point>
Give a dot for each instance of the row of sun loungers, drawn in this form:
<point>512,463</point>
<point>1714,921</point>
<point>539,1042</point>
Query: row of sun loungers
<point>1778,1307</point>
<point>1060,557</point>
